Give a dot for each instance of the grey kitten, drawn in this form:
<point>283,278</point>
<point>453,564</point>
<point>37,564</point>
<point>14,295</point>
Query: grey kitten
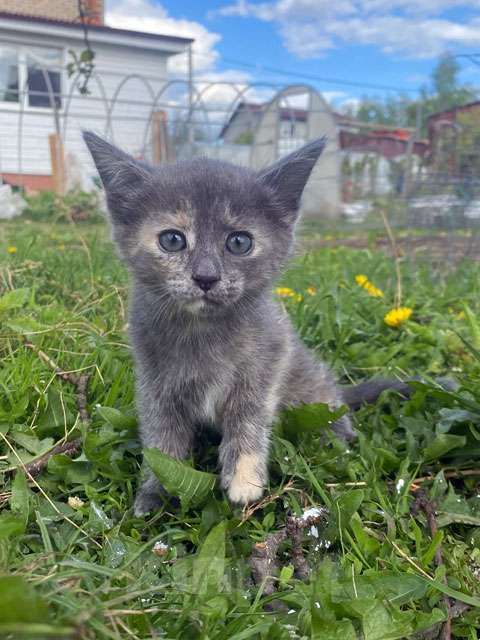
<point>204,241</point>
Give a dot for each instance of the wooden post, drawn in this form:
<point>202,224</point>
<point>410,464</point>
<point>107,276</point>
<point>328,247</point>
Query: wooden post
<point>159,137</point>
<point>57,158</point>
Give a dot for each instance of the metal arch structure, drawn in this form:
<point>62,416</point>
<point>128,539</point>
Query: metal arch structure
<point>322,193</point>
<point>156,104</point>
<point>68,103</point>
<point>113,103</point>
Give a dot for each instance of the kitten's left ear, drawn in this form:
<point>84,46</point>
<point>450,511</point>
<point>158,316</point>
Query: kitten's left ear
<point>124,178</point>
<point>289,175</point>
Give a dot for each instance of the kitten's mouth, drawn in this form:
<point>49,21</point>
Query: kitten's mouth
<point>202,304</point>
<point>209,300</point>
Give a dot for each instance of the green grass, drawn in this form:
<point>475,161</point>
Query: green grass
<point>87,569</point>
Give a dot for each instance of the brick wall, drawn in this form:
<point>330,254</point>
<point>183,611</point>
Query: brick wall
<point>56,9</point>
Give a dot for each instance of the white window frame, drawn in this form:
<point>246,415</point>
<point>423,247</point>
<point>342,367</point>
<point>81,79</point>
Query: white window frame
<point>22,65</point>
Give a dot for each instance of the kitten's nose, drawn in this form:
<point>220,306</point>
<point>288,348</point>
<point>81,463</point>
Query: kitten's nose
<point>205,273</point>
<point>205,282</point>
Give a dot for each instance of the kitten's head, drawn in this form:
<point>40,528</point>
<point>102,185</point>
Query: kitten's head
<point>203,235</point>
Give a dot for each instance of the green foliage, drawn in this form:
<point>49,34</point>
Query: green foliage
<point>76,206</point>
<point>193,487</point>
<point>444,92</point>
<point>76,563</point>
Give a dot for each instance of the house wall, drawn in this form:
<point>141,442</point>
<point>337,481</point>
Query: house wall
<point>24,143</point>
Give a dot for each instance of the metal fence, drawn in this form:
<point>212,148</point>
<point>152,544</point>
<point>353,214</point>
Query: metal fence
<point>421,183</point>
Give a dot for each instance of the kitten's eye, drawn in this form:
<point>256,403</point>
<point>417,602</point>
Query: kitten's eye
<point>172,240</point>
<point>239,243</point>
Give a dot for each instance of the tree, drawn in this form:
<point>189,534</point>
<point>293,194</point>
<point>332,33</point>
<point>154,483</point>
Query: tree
<point>444,92</point>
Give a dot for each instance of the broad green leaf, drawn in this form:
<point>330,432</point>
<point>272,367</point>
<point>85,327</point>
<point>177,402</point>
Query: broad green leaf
<point>24,325</point>
<point>452,593</point>
<point>332,629</point>
<point>116,418</point>
<point>14,299</point>
<point>56,414</point>
<point>20,499</point>
<point>445,518</point>
<point>450,417</point>
<point>442,444</point>
<point>11,526</point>
<point>380,623</point>
<point>397,588</point>
<point>72,471</point>
<point>191,486</point>
<point>342,511</point>
<point>98,521</point>
<point>19,602</point>
<point>209,564</point>
<point>308,418</point>
<point>31,443</point>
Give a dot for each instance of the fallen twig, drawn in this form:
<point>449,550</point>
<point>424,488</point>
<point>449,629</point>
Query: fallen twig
<point>250,509</point>
<point>80,382</point>
<point>423,503</point>
<point>36,466</point>
<point>264,561</point>
<point>457,473</point>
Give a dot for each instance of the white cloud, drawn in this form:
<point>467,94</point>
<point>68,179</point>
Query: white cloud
<point>145,15</point>
<point>413,28</point>
<point>215,91</point>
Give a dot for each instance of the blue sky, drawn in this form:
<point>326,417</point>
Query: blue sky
<point>386,43</point>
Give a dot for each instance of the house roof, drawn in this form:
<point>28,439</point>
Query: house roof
<point>98,33</point>
<point>301,115</point>
<point>286,113</point>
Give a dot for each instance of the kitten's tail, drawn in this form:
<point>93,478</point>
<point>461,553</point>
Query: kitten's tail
<point>368,392</point>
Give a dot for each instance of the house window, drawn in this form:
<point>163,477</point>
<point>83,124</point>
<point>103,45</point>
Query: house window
<point>8,75</point>
<point>44,77</point>
<point>31,75</point>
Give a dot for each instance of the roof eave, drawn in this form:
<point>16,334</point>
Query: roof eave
<point>118,37</point>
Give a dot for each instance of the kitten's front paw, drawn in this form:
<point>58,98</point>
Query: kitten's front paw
<point>246,484</point>
<point>146,501</point>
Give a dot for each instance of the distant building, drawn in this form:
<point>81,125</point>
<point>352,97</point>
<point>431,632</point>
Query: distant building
<point>371,158</point>
<point>244,120</point>
<point>389,143</point>
<point>35,39</point>
<point>454,140</point>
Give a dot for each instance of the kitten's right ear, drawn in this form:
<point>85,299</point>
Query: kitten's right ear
<point>124,178</point>
<point>289,175</point>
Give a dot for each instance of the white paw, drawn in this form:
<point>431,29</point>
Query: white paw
<point>246,485</point>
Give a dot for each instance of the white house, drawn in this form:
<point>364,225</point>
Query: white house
<point>37,98</point>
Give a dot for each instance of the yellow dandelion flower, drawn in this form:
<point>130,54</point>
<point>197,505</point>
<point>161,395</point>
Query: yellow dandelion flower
<point>298,297</point>
<point>11,249</point>
<point>285,292</point>
<point>370,288</point>
<point>311,291</point>
<point>396,317</point>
